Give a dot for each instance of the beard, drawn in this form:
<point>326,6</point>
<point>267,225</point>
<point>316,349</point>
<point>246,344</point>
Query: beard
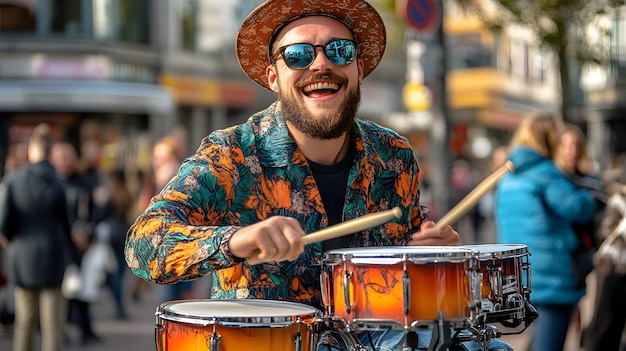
<point>329,126</point>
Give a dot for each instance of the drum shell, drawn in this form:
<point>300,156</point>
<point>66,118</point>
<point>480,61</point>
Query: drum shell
<point>377,285</point>
<point>509,260</point>
<point>193,332</point>
<point>505,284</point>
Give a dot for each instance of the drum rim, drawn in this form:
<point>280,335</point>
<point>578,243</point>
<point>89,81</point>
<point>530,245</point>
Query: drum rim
<point>163,313</point>
<point>397,254</point>
<point>513,250</point>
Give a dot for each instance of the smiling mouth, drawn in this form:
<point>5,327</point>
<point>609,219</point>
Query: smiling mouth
<point>324,88</point>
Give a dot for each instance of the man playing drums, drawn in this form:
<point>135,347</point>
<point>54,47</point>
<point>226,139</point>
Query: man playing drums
<point>253,191</point>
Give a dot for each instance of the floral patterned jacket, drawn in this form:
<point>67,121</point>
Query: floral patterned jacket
<point>250,172</point>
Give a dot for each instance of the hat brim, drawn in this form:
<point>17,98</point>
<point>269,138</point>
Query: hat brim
<point>258,28</point>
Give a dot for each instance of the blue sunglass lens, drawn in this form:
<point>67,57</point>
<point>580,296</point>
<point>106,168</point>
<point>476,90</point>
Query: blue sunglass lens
<point>340,52</point>
<point>299,55</point>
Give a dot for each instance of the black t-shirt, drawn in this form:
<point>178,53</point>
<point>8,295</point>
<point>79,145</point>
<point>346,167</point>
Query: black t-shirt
<point>332,182</point>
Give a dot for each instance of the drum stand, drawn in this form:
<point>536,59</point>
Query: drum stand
<point>441,338</point>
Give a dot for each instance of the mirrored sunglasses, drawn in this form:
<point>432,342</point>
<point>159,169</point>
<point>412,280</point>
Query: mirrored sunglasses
<point>340,52</point>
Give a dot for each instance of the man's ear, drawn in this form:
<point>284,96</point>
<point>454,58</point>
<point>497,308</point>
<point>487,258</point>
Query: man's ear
<point>272,78</point>
<point>360,67</point>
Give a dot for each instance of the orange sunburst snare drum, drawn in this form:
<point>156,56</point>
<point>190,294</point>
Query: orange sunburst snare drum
<point>399,287</point>
<point>506,281</point>
<point>233,325</point>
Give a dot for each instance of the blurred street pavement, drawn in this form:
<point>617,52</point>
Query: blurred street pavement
<point>135,333</point>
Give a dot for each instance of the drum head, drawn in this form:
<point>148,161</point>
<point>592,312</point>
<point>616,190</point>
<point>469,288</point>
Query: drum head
<point>396,254</point>
<point>498,251</point>
<point>236,312</point>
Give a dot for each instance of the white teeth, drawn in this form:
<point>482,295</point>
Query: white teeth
<point>321,86</point>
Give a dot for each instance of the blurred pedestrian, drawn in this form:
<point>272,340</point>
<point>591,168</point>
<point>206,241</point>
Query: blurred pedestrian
<point>536,205</point>
<point>166,160</point>
<point>574,160</point>
<point>606,328</point>
<point>114,226</point>
<point>97,264</point>
<point>34,219</point>
<point>7,305</point>
<point>81,212</point>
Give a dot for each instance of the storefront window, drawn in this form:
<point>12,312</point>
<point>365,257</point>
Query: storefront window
<point>189,24</point>
<point>66,16</point>
<point>123,20</point>
<point>17,16</point>
<point>618,47</point>
<point>205,26</point>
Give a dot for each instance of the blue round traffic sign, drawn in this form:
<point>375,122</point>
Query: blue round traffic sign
<point>423,15</point>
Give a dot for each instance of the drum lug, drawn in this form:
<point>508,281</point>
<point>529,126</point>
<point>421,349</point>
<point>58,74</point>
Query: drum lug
<point>297,340</point>
<point>496,280</point>
<point>475,281</point>
<point>158,326</point>
<point>528,287</point>
<point>215,342</point>
<point>327,295</point>
<point>346,291</point>
<point>406,292</point>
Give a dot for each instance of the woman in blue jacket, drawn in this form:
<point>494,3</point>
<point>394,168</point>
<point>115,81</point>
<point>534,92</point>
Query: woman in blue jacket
<point>536,205</point>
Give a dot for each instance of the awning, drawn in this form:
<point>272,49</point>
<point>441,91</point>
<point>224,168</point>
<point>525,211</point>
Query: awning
<point>84,96</point>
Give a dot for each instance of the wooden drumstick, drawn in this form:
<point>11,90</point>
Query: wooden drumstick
<point>352,226</point>
<point>472,198</point>
<point>348,227</point>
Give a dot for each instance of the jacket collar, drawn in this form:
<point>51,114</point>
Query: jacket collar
<point>272,134</point>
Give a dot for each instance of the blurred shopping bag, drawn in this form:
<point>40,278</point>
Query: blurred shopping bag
<point>71,281</point>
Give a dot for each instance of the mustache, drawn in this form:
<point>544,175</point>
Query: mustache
<point>321,76</point>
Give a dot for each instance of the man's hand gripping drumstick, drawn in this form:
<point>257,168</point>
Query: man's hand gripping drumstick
<point>282,238</point>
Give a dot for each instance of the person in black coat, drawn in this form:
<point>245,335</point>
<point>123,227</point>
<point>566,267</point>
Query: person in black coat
<point>34,219</point>
<point>82,214</point>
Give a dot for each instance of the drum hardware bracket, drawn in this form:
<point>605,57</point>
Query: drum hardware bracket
<point>496,280</point>
<point>411,341</point>
<point>157,329</point>
<point>440,339</point>
<point>350,341</point>
<point>347,275</point>
<point>406,292</point>
<point>529,278</point>
<point>327,294</point>
<point>297,340</point>
<point>530,314</point>
<point>475,279</point>
<point>484,335</point>
<point>214,342</point>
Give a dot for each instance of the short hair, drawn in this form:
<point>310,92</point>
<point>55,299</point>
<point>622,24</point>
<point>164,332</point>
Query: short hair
<point>41,138</point>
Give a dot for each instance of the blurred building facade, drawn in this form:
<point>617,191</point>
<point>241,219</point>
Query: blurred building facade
<point>123,73</point>
<point>494,81</point>
<point>605,92</point>
<point>88,68</point>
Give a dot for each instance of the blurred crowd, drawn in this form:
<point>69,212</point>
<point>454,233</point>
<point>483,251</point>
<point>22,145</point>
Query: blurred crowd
<point>570,213</point>
<point>99,205</point>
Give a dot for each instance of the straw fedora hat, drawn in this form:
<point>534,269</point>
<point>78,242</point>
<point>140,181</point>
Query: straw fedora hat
<point>264,22</point>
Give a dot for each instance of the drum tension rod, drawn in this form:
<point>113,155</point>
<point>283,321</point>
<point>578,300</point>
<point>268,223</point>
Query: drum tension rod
<point>347,275</point>
<point>297,339</point>
<point>406,292</point>
<point>215,338</point>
